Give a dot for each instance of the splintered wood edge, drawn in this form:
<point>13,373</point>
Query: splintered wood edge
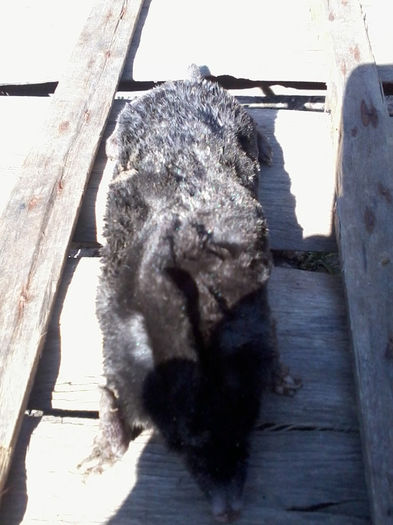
<point>361,134</point>
<point>39,219</point>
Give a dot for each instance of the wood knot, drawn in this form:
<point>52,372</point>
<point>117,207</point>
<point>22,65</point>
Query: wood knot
<point>354,131</point>
<point>33,203</point>
<point>385,192</point>
<point>389,349</point>
<point>356,53</point>
<point>331,16</point>
<point>368,115</point>
<point>369,219</point>
<point>63,126</point>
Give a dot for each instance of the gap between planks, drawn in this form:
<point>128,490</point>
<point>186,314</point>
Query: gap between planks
<point>364,212</point>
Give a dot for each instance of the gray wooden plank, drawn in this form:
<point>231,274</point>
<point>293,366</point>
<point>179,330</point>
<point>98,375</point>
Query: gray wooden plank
<point>38,35</point>
<point>37,38</point>
<point>297,191</point>
<point>38,221</point>
<point>310,314</point>
<point>365,235</point>
<point>295,477</point>
<point>20,123</point>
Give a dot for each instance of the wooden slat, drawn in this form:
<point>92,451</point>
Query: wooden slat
<point>378,17</point>
<point>365,235</point>
<point>190,33</point>
<point>20,123</point>
<point>245,41</point>
<point>310,314</point>
<point>297,192</point>
<point>37,38</point>
<point>38,222</point>
<point>295,477</point>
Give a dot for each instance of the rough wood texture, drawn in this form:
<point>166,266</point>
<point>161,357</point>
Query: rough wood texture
<point>297,191</point>
<point>310,314</point>
<point>38,222</point>
<point>365,235</point>
<point>296,477</point>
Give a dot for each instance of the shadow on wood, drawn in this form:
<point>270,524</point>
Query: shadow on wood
<point>364,204</point>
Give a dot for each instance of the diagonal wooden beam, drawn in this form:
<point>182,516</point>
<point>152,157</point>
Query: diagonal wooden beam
<point>38,222</point>
<point>364,218</point>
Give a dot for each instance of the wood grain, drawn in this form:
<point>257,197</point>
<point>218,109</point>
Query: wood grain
<point>364,218</point>
<point>311,323</point>
<point>295,477</point>
<point>38,221</point>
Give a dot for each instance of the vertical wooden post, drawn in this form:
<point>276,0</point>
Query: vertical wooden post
<point>364,219</point>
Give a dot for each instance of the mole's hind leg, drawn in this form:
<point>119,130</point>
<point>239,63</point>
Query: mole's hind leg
<point>282,382</point>
<point>113,436</point>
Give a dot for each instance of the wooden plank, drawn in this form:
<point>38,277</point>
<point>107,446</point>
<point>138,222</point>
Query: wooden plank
<point>20,123</point>
<point>297,192</point>
<point>295,477</point>
<point>38,222</point>
<point>365,235</point>
<point>37,38</point>
<point>163,51</point>
<point>193,29</point>
<point>311,325</point>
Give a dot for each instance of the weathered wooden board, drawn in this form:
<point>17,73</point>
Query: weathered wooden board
<point>37,38</point>
<point>295,477</point>
<point>20,123</point>
<point>297,191</point>
<point>378,18</point>
<point>365,235</point>
<point>310,314</point>
<point>38,221</point>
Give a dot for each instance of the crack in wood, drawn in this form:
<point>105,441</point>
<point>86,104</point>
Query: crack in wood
<point>319,506</point>
<point>277,428</point>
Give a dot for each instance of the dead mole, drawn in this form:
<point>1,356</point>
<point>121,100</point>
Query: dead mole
<point>189,341</point>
